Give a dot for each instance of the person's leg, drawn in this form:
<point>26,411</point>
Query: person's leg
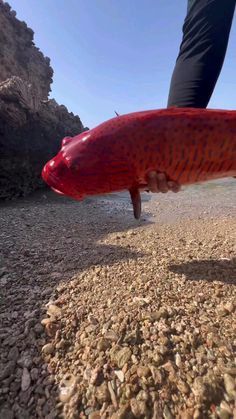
<point>202,51</point>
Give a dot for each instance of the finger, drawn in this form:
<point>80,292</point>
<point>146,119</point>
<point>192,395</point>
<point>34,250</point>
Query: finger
<point>162,182</point>
<point>152,182</point>
<point>173,186</point>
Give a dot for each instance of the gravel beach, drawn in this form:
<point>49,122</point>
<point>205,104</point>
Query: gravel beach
<point>103,316</point>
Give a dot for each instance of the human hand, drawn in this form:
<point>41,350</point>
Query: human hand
<point>157,182</point>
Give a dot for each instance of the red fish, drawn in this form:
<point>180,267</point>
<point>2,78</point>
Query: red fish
<point>188,145</point>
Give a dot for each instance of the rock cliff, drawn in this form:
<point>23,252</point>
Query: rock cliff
<point>31,125</point>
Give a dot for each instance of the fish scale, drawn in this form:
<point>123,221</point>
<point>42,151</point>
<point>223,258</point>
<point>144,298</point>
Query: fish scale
<point>188,145</point>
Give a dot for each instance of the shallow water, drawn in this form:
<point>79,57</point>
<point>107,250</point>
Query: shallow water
<point>215,198</point>
<point>223,187</point>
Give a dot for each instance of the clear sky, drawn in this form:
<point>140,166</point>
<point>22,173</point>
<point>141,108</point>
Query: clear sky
<point>115,54</point>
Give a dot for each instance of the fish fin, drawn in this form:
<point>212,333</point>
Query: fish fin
<point>136,202</point>
<point>116,113</point>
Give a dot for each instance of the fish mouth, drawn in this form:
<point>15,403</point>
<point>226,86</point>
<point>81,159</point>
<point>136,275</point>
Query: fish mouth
<point>57,178</point>
<point>51,175</point>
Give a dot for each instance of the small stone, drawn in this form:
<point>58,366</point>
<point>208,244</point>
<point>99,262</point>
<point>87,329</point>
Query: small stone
<point>67,387</point>
<point>142,395</point>
<point>138,408</point>
<point>7,370</point>
<point>123,356</point>
<point>25,360</point>
<point>102,393</point>
<point>229,307</point>
<point>92,319</point>
<point>34,373</point>
<point>134,359</point>
<point>103,344</point>
<point>25,396</point>
<point>178,360</point>
<point>225,407</point>
<point>61,344</point>
<point>54,310</point>
<point>156,375</point>
<point>45,321</point>
<point>143,371</point>
<point>13,354</point>
<point>160,314</point>
<point>143,301</point>
<point>94,415</point>
<point>167,413</point>
<point>224,414</point>
<point>122,413</point>
<point>197,414</point>
<point>199,388</point>
<point>88,411</point>
<point>229,385</point>
<point>186,414</point>
<point>91,328</point>
<point>25,380</point>
<point>96,377</point>
<point>38,329</point>
<point>112,395</point>
<point>51,328</point>
<point>111,335</point>
<point>120,375</point>
<point>48,348</point>
<point>183,387</point>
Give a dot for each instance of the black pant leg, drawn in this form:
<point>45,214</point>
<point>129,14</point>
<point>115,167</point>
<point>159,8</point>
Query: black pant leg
<point>205,38</point>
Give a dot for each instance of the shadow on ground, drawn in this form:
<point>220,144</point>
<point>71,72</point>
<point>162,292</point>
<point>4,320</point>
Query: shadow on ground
<point>44,240</point>
<point>222,270</point>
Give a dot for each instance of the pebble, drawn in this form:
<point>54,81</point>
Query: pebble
<point>54,310</point>
<point>199,389</point>
<point>230,307</point>
<point>178,361</point>
<point>230,385</point>
<point>122,357</point>
<point>94,415</point>
<point>13,354</point>
<point>67,387</point>
<point>38,329</point>
<point>183,387</point>
<point>143,371</point>
<point>48,348</point>
<point>7,370</point>
<point>138,408</point>
<point>102,393</point>
<point>225,407</point>
<point>167,413</point>
<point>61,344</point>
<point>25,380</point>
<point>111,335</point>
<point>25,360</point>
<point>34,373</point>
<point>120,375</point>
<point>103,344</point>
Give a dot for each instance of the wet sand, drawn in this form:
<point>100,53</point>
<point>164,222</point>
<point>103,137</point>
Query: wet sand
<point>105,316</point>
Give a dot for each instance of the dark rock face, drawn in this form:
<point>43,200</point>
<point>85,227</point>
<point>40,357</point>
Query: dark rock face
<point>31,126</point>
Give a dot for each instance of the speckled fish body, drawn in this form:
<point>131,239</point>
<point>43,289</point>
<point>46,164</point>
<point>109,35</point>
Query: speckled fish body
<point>188,145</point>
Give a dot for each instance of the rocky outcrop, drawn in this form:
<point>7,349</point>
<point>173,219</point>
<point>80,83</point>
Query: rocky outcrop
<point>18,54</point>
<point>31,125</point>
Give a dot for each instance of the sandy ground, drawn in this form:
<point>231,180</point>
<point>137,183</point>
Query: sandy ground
<point>102,316</point>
